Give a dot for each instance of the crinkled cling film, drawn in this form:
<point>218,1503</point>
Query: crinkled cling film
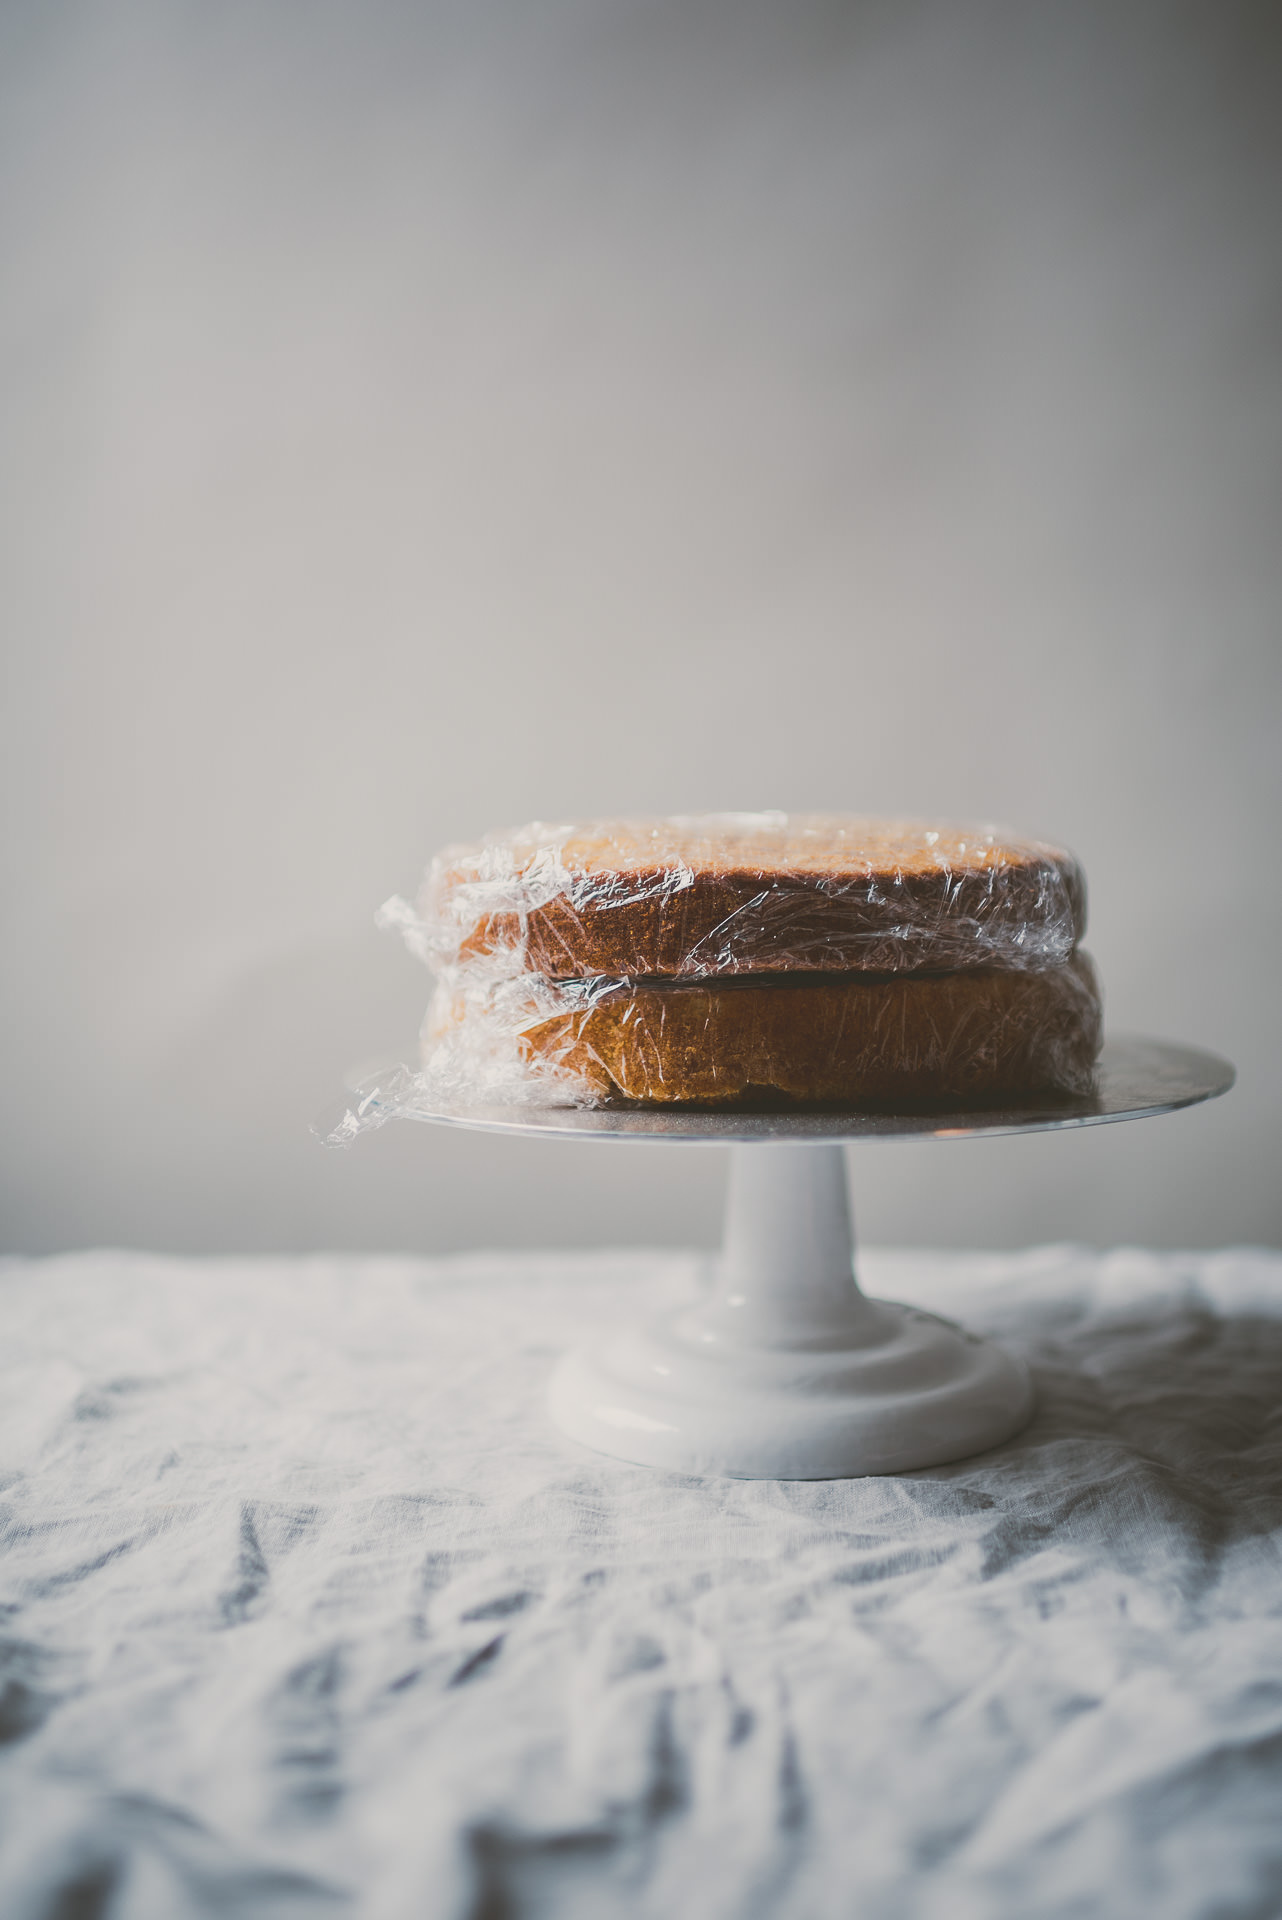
<point>736,958</point>
<point>724,894</point>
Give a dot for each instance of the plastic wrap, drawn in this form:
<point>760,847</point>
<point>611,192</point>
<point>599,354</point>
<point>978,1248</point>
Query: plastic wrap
<point>749,957</point>
<point>736,893</point>
<point>736,958</point>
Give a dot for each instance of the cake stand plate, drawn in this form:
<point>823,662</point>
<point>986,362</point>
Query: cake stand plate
<point>788,1370</point>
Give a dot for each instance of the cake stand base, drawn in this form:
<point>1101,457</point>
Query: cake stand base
<point>789,1371</point>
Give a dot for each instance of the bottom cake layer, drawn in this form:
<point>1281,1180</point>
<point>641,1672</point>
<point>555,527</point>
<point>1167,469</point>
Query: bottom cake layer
<point>837,1038</point>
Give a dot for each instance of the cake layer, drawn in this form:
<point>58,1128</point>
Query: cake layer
<point>864,1041</point>
<point>716,894</point>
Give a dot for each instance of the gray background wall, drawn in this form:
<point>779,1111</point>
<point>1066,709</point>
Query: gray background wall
<point>419,418</point>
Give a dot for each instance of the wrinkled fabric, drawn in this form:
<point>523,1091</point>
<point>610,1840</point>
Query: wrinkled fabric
<point>306,1610</point>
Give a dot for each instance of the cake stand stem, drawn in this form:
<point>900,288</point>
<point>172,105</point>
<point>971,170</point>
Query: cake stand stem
<point>786,1276</point>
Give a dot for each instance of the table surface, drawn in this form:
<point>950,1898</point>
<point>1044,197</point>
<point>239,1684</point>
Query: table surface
<point>305,1609</point>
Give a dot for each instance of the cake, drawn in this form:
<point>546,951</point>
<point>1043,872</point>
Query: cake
<point>862,1038</point>
<point>749,958</point>
<point>754,893</point>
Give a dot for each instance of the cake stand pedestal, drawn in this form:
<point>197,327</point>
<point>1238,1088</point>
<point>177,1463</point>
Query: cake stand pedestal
<point>789,1371</point>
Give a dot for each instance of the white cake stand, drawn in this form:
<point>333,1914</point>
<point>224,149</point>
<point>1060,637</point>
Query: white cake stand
<point>788,1371</point>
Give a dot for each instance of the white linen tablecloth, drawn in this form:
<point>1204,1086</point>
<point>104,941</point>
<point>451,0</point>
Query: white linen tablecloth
<point>306,1610</point>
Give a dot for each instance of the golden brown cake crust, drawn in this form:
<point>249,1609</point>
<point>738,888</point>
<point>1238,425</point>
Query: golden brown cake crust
<point>858,1040</point>
<point>749,893</point>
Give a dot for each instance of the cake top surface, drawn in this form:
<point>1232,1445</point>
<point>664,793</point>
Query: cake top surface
<point>814,846</point>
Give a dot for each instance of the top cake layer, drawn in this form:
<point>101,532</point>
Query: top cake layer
<point>701,895</point>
